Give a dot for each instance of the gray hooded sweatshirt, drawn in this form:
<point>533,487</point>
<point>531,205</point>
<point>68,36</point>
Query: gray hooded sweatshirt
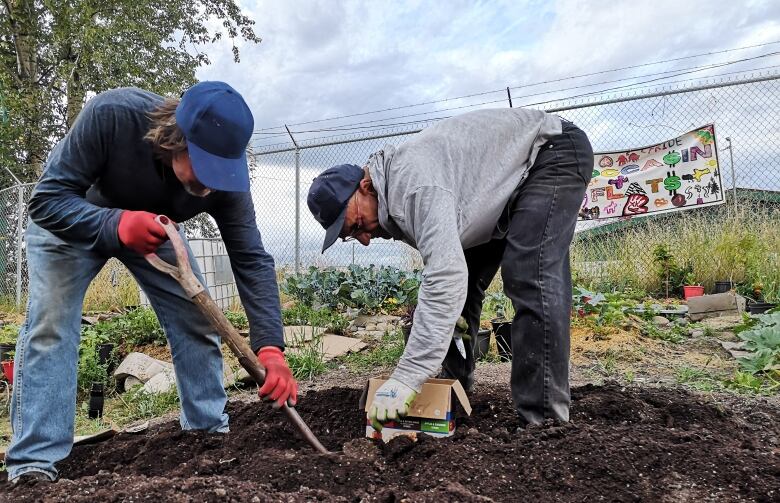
<point>444,191</point>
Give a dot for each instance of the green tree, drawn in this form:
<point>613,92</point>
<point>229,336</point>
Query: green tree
<point>56,53</point>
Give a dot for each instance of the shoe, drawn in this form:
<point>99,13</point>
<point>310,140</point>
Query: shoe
<point>31,478</point>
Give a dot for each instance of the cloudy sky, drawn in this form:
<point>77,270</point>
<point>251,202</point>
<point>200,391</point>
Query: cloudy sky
<point>327,58</point>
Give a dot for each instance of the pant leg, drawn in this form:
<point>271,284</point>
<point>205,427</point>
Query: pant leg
<point>482,262</point>
<point>195,346</point>
<point>43,404</point>
<point>537,277</point>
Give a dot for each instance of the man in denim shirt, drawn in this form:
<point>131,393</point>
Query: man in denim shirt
<point>130,156</point>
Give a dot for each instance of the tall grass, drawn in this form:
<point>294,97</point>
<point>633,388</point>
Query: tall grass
<point>113,288</point>
<point>742,246</point>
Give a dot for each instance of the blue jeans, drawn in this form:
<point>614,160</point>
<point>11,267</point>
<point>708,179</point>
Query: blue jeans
<point>534,261</point>
<point>44,393</point>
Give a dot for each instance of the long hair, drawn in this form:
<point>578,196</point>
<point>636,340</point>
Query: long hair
<point>164,134</point>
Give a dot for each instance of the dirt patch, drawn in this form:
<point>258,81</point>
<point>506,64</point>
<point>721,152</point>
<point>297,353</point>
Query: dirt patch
<point>622,445</point>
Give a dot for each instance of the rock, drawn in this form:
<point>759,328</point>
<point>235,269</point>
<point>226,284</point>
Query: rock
<point>660,321</point>
<point>142,367</point>
<point>361,321</point>
<point>351,313</point>
<point>374,334</point>
<point>683,322</point>
<point>371,327</point>
<point>220,492</point>
<point>381,326</point>
<point>697,332</point>
<point>161,383</point>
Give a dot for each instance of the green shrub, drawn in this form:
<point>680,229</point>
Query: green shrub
<point>90,370</point>
<point>385,354</point>
<point>9,333</point>
<point>135,328</point>
<point>238,319</point>
<point>307,359</point>
<point>301,314</point>
<point>139,404</point>
<point>369,289</point>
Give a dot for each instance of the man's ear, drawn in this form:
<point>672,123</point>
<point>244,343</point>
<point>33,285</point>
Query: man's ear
<point>367,186</point>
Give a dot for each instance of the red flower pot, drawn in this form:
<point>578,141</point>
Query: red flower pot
<point>8,370</point>
<point>693,291</point>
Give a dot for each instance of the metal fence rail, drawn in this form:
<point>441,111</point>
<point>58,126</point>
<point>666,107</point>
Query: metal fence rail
<point>746,114</point>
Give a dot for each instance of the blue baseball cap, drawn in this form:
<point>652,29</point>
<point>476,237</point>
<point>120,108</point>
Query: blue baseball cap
<point>329,195</point>
<point>217,124</point>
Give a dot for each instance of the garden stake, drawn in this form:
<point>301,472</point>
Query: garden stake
<point>200,296</point>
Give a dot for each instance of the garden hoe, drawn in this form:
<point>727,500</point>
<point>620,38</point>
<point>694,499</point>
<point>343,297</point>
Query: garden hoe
<point>182,273</point>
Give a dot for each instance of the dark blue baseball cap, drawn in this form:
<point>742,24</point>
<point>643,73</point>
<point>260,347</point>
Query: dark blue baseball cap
<point>329,195</point>
<point>217,124</point>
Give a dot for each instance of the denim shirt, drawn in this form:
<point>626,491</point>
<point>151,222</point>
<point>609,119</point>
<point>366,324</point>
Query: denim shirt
<point>103,165</point>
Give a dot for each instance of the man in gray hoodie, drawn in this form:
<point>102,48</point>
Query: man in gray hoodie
<point>487,189</point>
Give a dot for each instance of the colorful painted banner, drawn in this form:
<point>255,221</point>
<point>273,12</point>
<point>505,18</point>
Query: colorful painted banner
<point>678,174</point>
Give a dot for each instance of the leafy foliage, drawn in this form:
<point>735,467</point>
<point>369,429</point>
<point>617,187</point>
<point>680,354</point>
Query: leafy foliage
<point>369,289</point>
<point>673,276</point>
<point>137,327</point>
<point>53,54</point>
<point>9,333</point>
<point>300,314</point>
<point>90,369</point>
<point>763,341</point>
<point>238,319</point>
<point>139,404</point>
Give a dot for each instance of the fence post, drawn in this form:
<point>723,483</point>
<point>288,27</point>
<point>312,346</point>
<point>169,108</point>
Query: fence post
<point>297,202</point>
<point>19,234</point>
<point>733,174</point>
<point>509,95</point>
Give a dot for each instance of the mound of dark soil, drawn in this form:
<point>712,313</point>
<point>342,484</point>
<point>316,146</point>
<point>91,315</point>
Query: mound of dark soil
<point>632,444</point>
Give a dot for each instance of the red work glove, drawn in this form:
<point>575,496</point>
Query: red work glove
<point>280,385</point>
<point>138,231</point>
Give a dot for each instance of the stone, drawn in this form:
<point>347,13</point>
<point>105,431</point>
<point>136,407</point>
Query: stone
<point>375,334</point>
<point>161,383</point>
<point>381,326</point>
<point>697,332</point>
<point>683,322</point>
<point>660,321</point>
<point>371,327</point>
<point>716,305</point>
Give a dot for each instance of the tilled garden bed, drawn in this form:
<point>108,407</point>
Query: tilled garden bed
<point>623,444</point>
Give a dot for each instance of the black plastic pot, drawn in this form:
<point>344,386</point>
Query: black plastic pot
<point>96,400</point>
<point>6,348</point>
<point>482,345</point>
<point>503,332</point>
<point>104,354</point>
<point>723,286</point>
<point>760,307</point>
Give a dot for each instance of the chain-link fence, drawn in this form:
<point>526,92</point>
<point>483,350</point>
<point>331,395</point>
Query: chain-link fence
<point>13,261</point>
<point>746,114</point>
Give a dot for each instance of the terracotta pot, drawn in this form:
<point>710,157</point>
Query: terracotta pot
<point>693,291</point>
<point>8,370</point>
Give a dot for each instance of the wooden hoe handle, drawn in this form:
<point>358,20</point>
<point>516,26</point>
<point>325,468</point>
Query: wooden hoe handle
<point>182,272</point>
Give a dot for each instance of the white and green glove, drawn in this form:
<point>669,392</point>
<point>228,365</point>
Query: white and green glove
<point>391,401</point>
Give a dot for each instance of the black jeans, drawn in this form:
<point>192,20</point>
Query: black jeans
<point>534,261</point>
